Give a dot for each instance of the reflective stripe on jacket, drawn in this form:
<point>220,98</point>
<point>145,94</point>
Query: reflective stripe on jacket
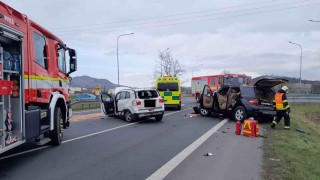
<point>280,101</point>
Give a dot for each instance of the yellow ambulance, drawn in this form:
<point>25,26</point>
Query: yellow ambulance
<point>169,88</point>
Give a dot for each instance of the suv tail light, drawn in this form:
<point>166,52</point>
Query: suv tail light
<point>161,100</point>
<point>254,102</point>
<point>136,102</point>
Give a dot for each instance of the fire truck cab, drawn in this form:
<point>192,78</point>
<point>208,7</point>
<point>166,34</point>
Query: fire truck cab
<point>34,82</point>
<point>216,81</point>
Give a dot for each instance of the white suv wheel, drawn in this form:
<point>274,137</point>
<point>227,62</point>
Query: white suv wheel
<point>128,116</point>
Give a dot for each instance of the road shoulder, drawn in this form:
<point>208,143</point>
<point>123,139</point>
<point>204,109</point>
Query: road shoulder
<point>233,157</point>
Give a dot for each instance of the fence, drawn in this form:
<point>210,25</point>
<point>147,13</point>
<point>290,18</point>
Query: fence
<point>86,104</point>
<point>296,98</point>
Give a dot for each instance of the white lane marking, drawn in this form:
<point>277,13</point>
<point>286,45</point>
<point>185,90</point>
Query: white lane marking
<point>100,132</point>
<point>24,152</point>
<point>81,137</point>
<point>175,161</point>
<point>107,130</point>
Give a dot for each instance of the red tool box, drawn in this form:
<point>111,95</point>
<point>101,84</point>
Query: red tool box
<point>5,87</point>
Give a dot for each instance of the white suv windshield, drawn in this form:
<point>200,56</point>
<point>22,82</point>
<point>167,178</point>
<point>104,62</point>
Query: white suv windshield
<point>146,94</point>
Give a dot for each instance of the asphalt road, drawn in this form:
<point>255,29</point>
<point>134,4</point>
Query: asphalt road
<point>109,148</point>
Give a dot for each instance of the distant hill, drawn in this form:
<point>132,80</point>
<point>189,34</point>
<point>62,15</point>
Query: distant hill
<point>90,82</point>
<point>291,79</point>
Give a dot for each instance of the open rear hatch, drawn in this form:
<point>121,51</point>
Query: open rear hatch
<point>264,91</point>
<point>270,82</point>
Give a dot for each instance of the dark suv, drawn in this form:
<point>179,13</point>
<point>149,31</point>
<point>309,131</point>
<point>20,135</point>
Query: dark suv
<point>241,102</point>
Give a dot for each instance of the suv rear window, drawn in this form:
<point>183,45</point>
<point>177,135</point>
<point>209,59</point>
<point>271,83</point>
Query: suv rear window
<point>168,87</point>
<point>146,94</point>
<point>248,91</point>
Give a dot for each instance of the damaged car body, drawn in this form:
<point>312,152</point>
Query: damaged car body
<point>241,102</point>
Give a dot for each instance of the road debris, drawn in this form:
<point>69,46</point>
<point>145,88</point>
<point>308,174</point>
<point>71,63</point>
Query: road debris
<point>273,159</point>
<point>191,115</point>
<point>208,154</point>
<point>224,132</point>
<point>300,130</point>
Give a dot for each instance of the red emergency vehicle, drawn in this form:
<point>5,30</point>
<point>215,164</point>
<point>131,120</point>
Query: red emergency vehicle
<point>216,81</point>
<point>34,82</point>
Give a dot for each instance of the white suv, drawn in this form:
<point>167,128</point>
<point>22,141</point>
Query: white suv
<point>133,104</point>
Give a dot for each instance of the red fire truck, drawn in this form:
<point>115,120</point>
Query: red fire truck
<point>215,81</point>
<point>34,82</point>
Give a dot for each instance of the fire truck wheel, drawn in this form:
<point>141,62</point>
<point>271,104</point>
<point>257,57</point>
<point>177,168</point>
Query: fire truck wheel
<point>240,114</point>
<point>57,133</point>
<point>204,112</point>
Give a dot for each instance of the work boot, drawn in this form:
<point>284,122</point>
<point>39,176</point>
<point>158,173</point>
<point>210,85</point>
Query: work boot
<point>273,124</point>
<point>286,127</point>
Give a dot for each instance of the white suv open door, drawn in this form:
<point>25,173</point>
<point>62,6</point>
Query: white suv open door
<point>106,104</point>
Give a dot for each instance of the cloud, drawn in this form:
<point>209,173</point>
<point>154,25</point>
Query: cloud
<point>254,45</point>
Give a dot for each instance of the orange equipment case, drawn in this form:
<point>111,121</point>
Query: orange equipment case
<point>251,128</point>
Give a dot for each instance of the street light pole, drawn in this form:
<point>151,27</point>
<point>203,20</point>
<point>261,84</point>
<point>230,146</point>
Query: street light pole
<point>161,58</point>
<point>118,52</point>
<point>300,59</point>
<point>194,68</point>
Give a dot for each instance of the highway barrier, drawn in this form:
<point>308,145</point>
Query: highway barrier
<point>85,104</point>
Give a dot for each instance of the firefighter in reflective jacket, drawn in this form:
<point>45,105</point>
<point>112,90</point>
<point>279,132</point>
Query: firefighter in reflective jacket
<point>280,103</point>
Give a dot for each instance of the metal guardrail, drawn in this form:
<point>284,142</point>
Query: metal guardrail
<point>306,99</point>
<point>303,95</point>
<point>83,101</point>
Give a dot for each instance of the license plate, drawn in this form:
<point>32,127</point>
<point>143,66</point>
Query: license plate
<point>150,110</point>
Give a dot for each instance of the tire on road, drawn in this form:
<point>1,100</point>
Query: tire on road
<point>129,117</point>
<point>240,114</point>
<point>57,133</point>
<point>204,112</point>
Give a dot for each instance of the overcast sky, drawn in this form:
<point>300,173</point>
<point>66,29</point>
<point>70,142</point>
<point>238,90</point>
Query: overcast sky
<point>240,36</point>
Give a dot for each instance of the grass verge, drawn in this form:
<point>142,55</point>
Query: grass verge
<point>292,154</point>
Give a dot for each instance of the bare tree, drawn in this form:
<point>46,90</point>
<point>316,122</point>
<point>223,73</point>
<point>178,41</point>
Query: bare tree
<point>167,65</point>
<point>226,72</point>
